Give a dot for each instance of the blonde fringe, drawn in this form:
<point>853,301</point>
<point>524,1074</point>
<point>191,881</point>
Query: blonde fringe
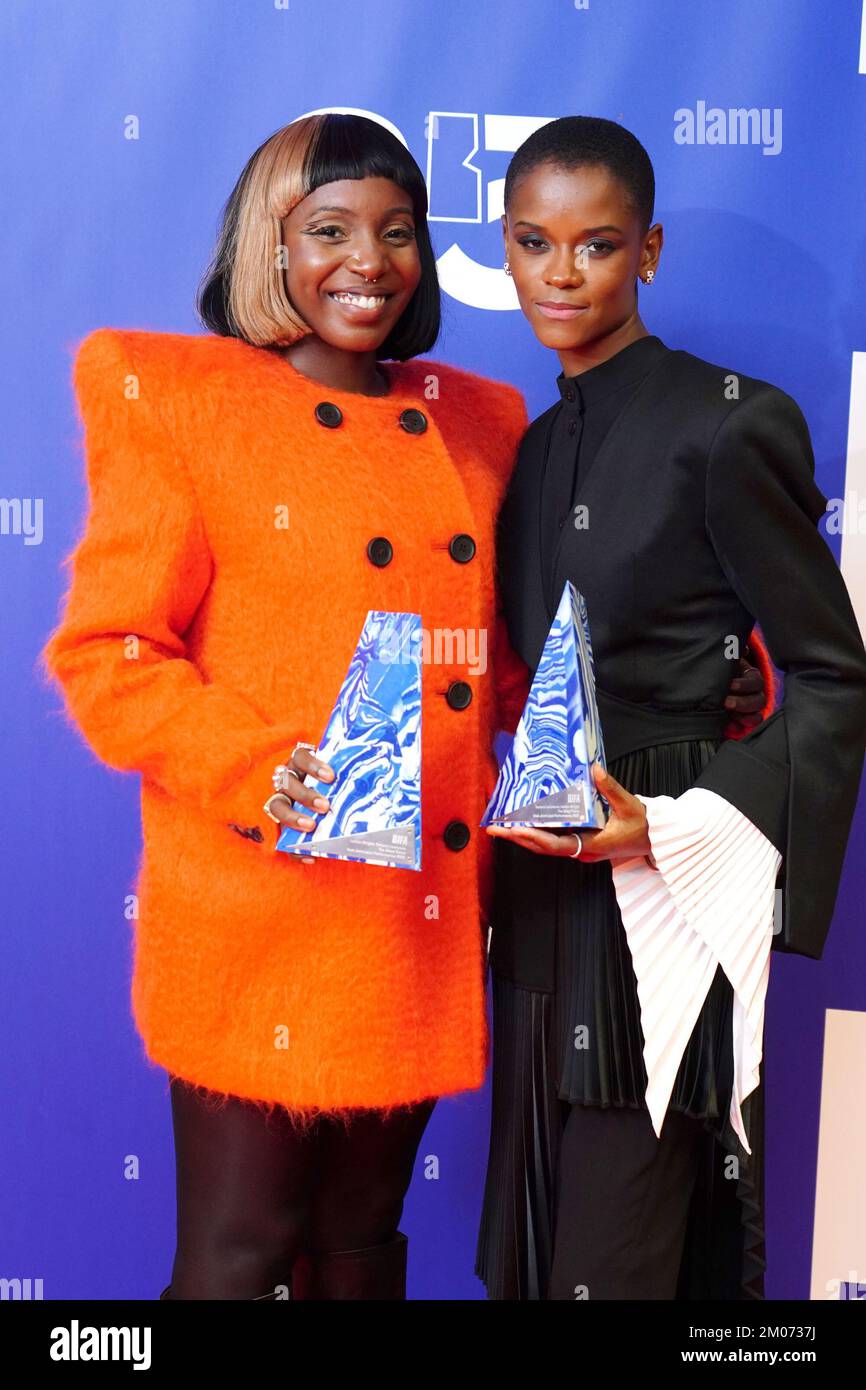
<point>273,185</point>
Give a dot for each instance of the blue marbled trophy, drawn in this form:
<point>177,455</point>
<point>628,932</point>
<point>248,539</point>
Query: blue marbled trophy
<point>373,743</point>
<point>545,778</point>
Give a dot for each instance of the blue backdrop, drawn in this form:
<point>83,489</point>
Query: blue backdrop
<point>125,127</point>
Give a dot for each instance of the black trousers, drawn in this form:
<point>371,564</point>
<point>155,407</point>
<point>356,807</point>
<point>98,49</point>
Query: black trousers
<point>254,1189</point>
<point>622,1201</point>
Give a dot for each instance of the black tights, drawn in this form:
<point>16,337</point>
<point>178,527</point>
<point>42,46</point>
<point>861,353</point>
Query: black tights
<point>253,1190</point>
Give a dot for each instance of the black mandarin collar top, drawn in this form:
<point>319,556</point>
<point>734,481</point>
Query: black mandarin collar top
<point>589,404</point>
<point>627,367</point>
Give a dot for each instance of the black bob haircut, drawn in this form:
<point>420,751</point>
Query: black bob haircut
<point>575,142</point>
<point>294,162</point>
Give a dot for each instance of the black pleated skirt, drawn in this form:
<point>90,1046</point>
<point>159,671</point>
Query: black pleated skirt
<point>539,1071</point>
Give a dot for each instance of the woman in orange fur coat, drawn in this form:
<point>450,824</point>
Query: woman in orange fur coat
<point>253,493</point>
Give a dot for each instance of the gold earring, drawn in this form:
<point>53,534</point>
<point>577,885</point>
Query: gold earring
<point>507,268</point>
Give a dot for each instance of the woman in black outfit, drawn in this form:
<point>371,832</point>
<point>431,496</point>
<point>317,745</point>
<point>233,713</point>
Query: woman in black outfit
<point>679,498</point>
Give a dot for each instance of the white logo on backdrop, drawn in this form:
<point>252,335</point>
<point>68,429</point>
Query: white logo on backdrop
<point>452,141</point>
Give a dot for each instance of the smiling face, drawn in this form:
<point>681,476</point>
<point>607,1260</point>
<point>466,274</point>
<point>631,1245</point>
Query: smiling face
<point>339,237</point>
<point>574,248</point>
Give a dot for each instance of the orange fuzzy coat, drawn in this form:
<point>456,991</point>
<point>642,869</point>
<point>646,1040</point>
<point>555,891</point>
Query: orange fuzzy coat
<point>202,637</point>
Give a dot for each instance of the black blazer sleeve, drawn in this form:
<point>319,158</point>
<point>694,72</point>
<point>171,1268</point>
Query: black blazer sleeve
<point>796,776</point>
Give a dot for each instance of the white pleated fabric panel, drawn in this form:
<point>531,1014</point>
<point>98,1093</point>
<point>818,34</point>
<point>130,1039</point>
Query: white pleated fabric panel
<point>710,903</point>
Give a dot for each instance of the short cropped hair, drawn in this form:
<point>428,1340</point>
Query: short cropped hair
<point>242,293</point>
<point>575,142</point>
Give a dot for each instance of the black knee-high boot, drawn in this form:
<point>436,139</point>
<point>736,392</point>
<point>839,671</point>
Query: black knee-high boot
<point>166,1293</point>
<point>379,1272</point>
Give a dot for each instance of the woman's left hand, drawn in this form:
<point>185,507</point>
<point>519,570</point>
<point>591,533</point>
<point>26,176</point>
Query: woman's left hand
<point>747,694</point>
<point>625,835</point>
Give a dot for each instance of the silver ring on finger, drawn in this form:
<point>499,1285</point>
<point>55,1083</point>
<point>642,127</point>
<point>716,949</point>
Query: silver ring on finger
<point>576,854</point>
<point>280,776</point>
<point>277,796</point>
